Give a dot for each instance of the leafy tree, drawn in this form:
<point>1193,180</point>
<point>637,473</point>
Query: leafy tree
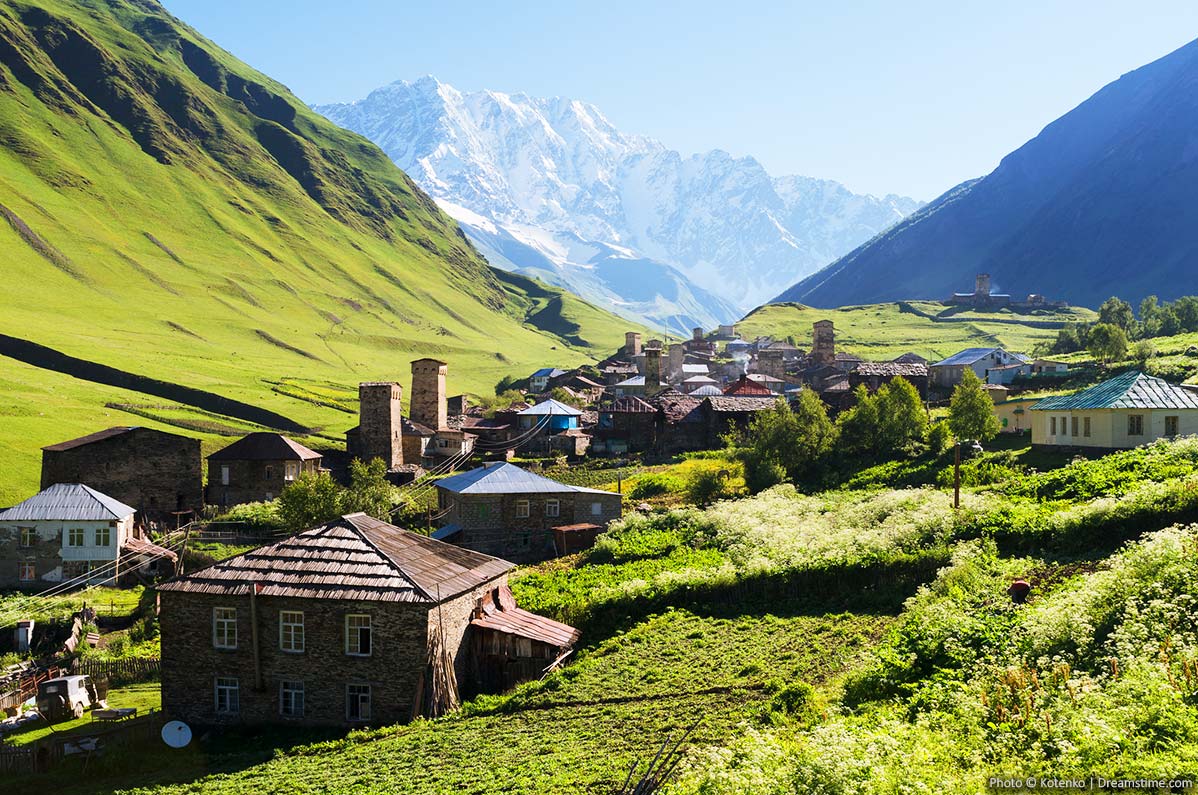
<point>705,486</point>
<point>903,420</point>
<point>562,396</point>
<point>971,411</point>
<point>1150,317</point>
<point>1186,310</point>
<point>1169,323</point>
<point>1143,351</point>
<point>1070,338</point>
<point>369,492</point>
<point>309,500</point>
<point>859,426</point>
<point>1107,342</point>
<point>1117,312</point>
<point>816,435</point>
<point>505,384</point>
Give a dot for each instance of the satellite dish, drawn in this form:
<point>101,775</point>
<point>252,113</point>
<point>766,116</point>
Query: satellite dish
<point>176,734</point>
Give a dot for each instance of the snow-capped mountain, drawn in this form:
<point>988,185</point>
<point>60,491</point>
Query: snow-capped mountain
<point>551,187</point>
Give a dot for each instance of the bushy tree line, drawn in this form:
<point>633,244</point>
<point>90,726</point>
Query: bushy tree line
<point>314,497</point>
<point>1109,338</point>
<point>802,444</point>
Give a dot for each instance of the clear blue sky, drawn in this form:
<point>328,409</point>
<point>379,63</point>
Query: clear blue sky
<point>886,97</point>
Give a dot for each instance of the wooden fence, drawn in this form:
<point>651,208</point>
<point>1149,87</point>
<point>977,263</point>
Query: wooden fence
<point>96,737</point>
<point>24,687</point>
<point>119,671</point>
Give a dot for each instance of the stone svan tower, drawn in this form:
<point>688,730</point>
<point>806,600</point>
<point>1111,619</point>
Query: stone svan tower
<point>379,433</point>
<point>428,393</point>
<point>823,348</point>
<point>632,343</point>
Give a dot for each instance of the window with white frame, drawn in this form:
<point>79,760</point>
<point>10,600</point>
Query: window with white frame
<point>291,631</point>
<point>28,536</point>
<point>291,699</point>
<point>75,537</point>
<point>521,509</point>
<point>228,695</point>
<point>553,508</point>
<point>357,702</point>
<point>357,635</point>
<point>26,571</point>
<point>224,627</point>
<point>291,470</point>
<point>103,536</point>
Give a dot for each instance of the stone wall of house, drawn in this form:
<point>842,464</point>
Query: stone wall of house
<point>489,523</point>
<point>452,620</point>
<point>250,481</point>
<point>153,471</point>
<point>191,663</point>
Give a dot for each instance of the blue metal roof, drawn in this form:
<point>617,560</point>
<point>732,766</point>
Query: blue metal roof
<point>554,407</point>
<point>67,502</point>
<point>1131,390</point>
<point>548,372</point>
<point>504,478</point>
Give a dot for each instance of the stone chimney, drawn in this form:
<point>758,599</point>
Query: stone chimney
<point>632,343</point>
<point>982,284</point>
<point>428,393</point>
<point>823,347</point>
<point>379,416</point>
<point>652,368</point>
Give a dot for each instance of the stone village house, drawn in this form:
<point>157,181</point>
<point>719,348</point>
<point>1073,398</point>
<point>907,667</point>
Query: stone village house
<point>156,472</point>
<point>70,531</point>
<point>257,467</point>
<point>352,622</point>
<point>501,509</point>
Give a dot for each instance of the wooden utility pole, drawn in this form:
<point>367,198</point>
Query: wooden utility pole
<point>957,474</point>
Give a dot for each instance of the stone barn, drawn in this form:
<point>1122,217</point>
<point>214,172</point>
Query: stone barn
<point>257,467</point>
<point>156,472</point>
<point>352,622</point>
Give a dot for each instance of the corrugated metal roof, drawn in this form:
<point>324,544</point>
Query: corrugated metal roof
<point>264,446</point>
<point>706,390</point>
<point>967,356</point>
<point>551,406</point>
<point>503,478</point>
<point>1131,390</point>
<point>636,380</point>
<point>356,558</point>
<point>695,368</point>
<point>548,372</point>
<point>67,502</point>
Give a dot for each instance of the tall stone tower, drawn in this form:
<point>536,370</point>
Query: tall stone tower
<point>677,356</point>
<point>379,416</point>
<point>652,368</point>
<point>981,285</point>
<point>428,393</point>
<point>632,343</point>
<point>823,347</point>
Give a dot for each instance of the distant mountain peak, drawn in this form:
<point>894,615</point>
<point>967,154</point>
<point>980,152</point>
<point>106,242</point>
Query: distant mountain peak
<point>549,186</point>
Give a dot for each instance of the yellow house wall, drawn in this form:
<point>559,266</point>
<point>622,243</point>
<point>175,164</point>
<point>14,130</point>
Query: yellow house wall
<point>1012,422</point>
<point>1108,427</point>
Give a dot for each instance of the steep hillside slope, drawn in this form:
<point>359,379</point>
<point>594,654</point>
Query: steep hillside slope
<point>1102,202</point>
<point>552,187</point>
<point>172,214</point>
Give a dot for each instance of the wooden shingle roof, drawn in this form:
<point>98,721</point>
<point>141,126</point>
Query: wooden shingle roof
<point>356,558</point>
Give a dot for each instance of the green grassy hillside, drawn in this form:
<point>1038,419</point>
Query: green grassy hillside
<point>173,214</point>
<point>930,329</point>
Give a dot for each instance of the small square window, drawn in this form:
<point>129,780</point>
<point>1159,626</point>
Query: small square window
<point>521,509</point>
<point>26,571</point>
<point>357,702</point>
<point>28,536</point>
<point>291,631</point>
<point>228,695</point>
<point>291,699</point>
<point>358,635</point>
<point>553,508</point>
<point>596,509</point>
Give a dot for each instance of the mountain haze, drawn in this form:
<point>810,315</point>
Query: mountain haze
<point>1104,201</point>
<point>174,223</point>
<point>550,187</point>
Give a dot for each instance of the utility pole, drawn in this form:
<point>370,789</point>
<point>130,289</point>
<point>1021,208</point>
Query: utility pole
<point>957,474</point>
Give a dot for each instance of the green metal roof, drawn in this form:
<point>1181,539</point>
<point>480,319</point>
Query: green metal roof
<point>1132,390</point>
